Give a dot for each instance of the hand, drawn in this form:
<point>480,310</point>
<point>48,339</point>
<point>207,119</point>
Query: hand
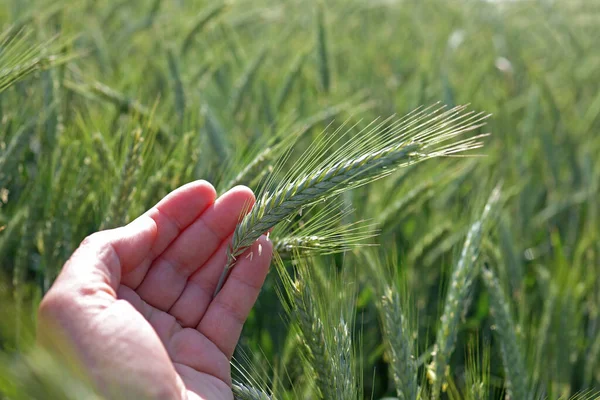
<point>133,306</point>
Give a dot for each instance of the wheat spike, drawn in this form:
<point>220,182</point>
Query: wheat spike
<point>399,344</point>
<point>243,392</point>
<point>201,22</point>
<point>457,296</point>
<point>124,191</point>
<point>512,356</point>
<point>375,152</point>
<point>178,89</point>
<point>312,328</point>
<point>322,51</point>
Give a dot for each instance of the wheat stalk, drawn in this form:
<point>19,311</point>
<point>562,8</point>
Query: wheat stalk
<point>376,151</point>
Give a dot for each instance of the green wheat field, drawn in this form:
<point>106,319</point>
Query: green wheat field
<point>430,169</point>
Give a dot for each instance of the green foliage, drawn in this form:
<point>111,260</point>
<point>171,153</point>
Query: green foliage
<point>106,106</point>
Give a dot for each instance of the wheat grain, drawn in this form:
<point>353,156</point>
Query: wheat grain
<point>326,339</point>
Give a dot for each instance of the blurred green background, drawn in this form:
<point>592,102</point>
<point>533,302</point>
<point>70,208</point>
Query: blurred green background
<point>106,106</point>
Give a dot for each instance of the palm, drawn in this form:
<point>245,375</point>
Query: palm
<point>200,365</point>
<point>161,272</point>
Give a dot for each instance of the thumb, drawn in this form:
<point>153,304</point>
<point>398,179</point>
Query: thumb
<point>103,257</point>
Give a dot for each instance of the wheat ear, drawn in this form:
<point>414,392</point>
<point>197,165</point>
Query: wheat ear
<point>399,344</point>
<point>376,151</point>
<point>243,392</point>
<point>321,230</point>
<point>125,190</point>
<point>457,296</point>
<point>312,329</point>
<point>512,356</point>
<point>328,344</point>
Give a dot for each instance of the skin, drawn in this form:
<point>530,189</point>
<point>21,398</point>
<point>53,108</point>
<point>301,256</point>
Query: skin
<point>132,310</point>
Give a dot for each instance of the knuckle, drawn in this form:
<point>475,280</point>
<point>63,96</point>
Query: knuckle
<point>53,305</point>
<point>97,239</point>
<point>233,312</point>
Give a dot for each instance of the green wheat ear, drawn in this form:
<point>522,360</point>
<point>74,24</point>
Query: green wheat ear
<point>19,58</point>
<point>243,392</point>
<point>375,151</point>
<point>321,230</point>
<point>398,326</point>
<point>124,191</point>
<point>512,355</point>
<point>459,291</point>
<point>325,320</point>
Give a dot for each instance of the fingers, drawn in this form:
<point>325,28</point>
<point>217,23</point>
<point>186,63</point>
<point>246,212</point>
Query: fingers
<point>169,273</point>
<point>198,293</point>
<point>95,268</point>
<point>106,258</point>
<point>172,215</point>
<point>223,321</point>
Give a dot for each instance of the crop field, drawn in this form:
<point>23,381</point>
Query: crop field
<point>430,170</point>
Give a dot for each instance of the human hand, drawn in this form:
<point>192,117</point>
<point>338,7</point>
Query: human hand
<point>133,305</point>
